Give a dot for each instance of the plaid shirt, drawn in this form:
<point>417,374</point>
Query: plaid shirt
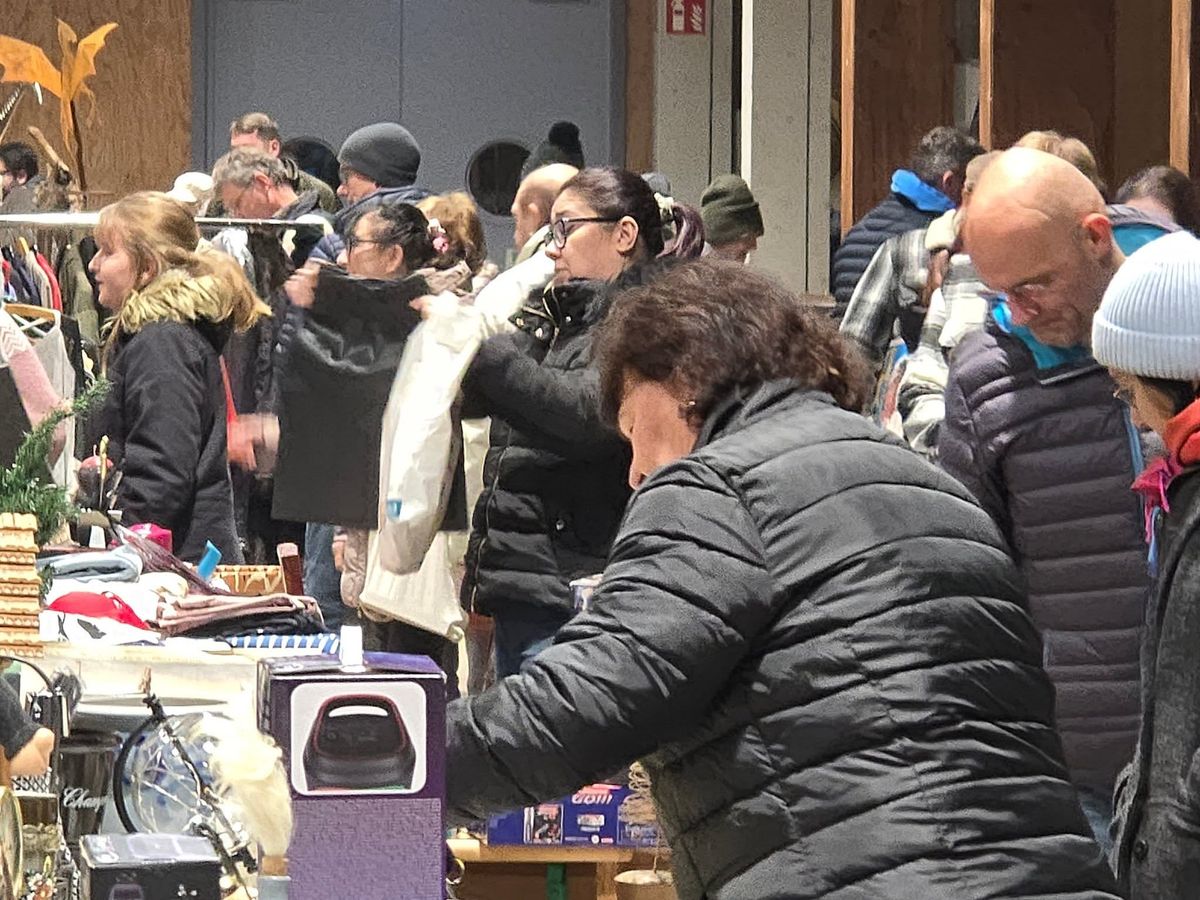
<point>890,287</point>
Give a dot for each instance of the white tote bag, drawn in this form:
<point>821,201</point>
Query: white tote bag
<point>421,436</point>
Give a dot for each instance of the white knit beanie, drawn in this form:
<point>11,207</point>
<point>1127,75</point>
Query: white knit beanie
<point>1149,321</point>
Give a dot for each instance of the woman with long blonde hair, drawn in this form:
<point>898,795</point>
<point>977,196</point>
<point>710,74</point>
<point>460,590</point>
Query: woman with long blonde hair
<point>174,309</point>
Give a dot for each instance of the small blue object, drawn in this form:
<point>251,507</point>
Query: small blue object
<point>393,509</point>
<point>209,561</point>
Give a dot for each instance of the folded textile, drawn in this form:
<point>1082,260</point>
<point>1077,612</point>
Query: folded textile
<point>326,642</point>
<point>119,564</point>
<point>196,611</point>
<point>299,623</point>
<point>143,596</point>
<point>70,628</point>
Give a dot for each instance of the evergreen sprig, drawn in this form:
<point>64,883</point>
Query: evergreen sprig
<point>23,485</point>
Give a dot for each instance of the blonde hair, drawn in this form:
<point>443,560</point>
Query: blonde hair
<point>1073,150</point>
<point>459,218</point>
<point>160,235</point>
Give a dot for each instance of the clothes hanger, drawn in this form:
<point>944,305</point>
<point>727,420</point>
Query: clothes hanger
<point>34,318</point>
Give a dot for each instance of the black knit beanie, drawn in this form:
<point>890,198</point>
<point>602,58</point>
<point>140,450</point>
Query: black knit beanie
<point>384,152</point>
<point>562,145</point>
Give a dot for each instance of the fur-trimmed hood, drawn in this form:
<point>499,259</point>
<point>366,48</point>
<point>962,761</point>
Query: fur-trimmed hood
<point>177,296</point>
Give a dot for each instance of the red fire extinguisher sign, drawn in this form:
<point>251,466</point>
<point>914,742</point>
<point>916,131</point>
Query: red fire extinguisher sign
<point>687,16</point>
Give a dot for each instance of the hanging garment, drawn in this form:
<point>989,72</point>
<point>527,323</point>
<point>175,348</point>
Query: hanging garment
<point>21,280</point>
<point>334,386</point>
<point>35,395</point>
<point>14,422</point>
<point>40,278</point>
<point>7,291</point>
<point>55,290</point>
<point>51,349</point>
<point>79,301</point>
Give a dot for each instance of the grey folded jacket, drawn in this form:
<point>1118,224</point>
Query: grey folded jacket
<point>119,564</point>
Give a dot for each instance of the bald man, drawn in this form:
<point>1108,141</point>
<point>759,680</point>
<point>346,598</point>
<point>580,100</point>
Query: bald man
<point>531,206</point>
<point>1033,430</point>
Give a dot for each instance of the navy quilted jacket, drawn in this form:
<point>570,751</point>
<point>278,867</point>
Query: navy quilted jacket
<point>1050,453</point>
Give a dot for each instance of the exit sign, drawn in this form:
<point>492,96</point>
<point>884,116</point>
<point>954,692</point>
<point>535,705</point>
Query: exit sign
<point>687,16</point>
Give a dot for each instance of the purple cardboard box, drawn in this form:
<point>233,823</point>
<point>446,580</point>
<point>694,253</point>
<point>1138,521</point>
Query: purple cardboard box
<point>364,752</point>
<point>595,815</point>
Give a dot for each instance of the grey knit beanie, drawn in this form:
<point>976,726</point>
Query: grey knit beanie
<point>729,210</point>
<point>1149,321</point>
<point>384,152</point>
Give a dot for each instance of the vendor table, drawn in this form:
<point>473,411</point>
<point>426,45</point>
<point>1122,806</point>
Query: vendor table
<point>526,873</point>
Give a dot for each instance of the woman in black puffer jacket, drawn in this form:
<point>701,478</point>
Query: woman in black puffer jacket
<point>815,641</point>
<point>554,479</point>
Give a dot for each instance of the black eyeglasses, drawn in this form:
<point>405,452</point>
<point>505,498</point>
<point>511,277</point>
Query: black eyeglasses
<point>353,241</point>
<point>562,228</point>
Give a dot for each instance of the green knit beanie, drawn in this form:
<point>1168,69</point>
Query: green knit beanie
<point>729,210</point>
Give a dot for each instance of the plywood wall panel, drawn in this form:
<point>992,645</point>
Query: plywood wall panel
<point>141,136</point>
<point>1051,66</point>
<point>897,83</point>
<point>1143,92</point>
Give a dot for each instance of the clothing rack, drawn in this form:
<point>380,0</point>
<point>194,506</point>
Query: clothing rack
<point>92,219</point>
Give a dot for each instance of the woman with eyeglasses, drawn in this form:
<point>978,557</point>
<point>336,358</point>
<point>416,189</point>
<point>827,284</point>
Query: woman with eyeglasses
<point>555,479</point>
<point>1147,332</point>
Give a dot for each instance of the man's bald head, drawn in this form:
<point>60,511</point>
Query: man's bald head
<point>535,197</point>
<point>1037,231</point>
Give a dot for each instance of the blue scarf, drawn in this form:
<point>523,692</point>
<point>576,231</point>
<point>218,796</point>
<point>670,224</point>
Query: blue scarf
<point>918,193</point>
<point>1044,356</point>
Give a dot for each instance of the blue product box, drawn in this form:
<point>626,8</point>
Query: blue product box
<point>594,816</point>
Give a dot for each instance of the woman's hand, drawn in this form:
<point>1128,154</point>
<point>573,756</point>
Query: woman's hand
<point>253,441</point>
<point>423,305</point>
<point>34,758</point>
<point>301,288</point>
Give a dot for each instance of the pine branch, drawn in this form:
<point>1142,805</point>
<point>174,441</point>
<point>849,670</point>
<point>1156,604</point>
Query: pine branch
<point>23,488</point>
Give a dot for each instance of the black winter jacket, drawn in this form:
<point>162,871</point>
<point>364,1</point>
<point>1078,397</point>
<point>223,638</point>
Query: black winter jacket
<point>1157,849</point>
<point>817,643</point>
<point>895,215</point>
<point>556,475</point>
<point>165,420</point>
<point>1050,453</point>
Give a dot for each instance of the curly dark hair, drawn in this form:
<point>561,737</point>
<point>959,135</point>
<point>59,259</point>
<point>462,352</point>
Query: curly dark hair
<point>710,326</point>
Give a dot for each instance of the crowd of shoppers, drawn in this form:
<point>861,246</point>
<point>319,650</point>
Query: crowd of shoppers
<point>896,604</point>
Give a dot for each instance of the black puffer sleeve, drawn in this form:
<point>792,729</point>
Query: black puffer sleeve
<point>555,408</point>
<point>685,591</point>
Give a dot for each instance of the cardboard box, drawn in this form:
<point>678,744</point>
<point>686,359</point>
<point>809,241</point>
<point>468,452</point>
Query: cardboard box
<point>593,816</point>
<point>148,866</point>
<point>364,752</point>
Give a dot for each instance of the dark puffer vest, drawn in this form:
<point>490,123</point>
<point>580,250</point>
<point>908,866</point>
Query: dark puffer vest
<point>1050,453</point>
<point>818,644</point>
